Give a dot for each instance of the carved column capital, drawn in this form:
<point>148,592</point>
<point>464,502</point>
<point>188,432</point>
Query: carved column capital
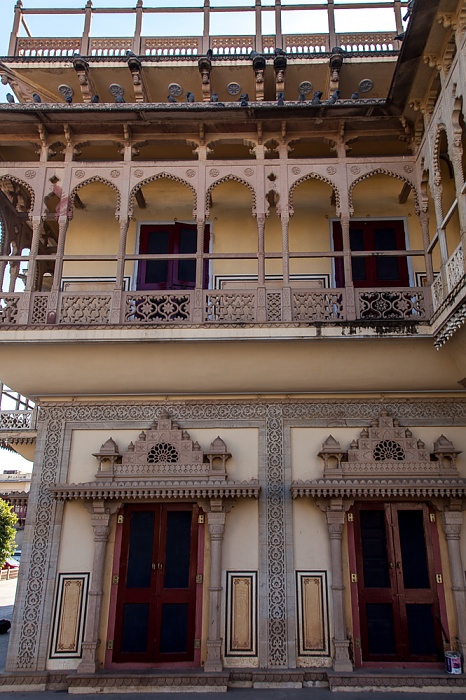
<point>452,523</point>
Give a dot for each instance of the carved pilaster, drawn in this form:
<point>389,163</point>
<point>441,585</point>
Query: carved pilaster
<point>452,524</point>
<point>335,523</point>
<point>424,222</point>
<point>216,522</point>
<point>100,520</point>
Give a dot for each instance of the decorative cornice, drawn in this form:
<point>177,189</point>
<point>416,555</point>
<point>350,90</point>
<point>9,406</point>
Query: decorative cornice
<point>380,488</point>
<point>147,490</point>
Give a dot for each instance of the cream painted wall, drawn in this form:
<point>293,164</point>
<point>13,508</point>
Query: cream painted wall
<point>310,537</point>
<point>76,522</point>
<point>94,229</point>
<point>242,443</point>
<point>241,541</point>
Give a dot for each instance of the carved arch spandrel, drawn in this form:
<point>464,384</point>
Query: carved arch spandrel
<point>161,176</point>
<point>440,130</point>
<point>321,178</point>
<point>228,178</point>
<point>89,181</point>
<point>389,173</point>
<point>28,188</point>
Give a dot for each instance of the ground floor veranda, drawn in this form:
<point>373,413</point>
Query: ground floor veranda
<point>283,530</point>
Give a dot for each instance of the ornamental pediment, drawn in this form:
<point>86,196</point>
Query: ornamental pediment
<point>385,460</point>
<point>164,451</point>
<point>388,449</point>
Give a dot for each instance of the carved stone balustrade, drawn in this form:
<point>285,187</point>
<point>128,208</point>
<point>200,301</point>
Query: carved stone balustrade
<point>218,306</point>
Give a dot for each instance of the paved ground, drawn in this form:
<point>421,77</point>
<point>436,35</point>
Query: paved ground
<point>7,596</point>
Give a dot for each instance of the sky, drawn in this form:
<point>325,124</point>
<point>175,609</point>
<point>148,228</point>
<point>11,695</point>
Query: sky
<point>177,24</point>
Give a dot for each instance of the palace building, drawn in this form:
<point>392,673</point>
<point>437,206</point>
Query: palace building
<point>234,288</point>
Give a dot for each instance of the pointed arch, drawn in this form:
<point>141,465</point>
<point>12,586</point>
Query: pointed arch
<point>389,173</point>
<point>322,178</point>
<point>161,176</point>
<point>89,181</point>
<point>28,188</point>
<point>228,178</point>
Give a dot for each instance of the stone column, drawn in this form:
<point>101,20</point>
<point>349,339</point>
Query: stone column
<point>216,521</point>
<point>424,221</point>
<point>348,269</point>
<point>452,523</point>
<point>456,153</point>
<point>37,229</point>
<point>100,518</point>
<point>120,273</point>
<point>335,524</point>
<point>52,309</point>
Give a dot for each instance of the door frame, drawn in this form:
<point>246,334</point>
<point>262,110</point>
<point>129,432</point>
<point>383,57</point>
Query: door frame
<point>113,586</point>
<point>354,588</point>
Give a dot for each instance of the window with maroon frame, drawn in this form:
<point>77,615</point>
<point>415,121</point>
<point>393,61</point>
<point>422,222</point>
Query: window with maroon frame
<point>164,239</point>
<point>373,271</point>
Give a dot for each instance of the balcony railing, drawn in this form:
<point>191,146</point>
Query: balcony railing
<point>454,273</point>
<point>18,420</point>
<point>251,306</point>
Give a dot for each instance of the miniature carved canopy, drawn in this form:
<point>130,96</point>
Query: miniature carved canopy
<point>385,460</point>
<point>164,451</point>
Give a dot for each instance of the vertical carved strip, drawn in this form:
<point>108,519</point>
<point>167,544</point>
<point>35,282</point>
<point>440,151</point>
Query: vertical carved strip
<point>29,620</point>
<point>275,526</point>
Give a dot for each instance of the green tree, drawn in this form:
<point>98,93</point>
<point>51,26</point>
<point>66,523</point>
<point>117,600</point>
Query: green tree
<point>8,521</point>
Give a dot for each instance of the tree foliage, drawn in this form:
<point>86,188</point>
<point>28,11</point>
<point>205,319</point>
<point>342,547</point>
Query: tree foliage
<point>8,521</point>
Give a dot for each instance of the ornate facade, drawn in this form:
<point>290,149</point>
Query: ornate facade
<point>240,315</point>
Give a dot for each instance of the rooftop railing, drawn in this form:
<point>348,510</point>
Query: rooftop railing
<point>309,43</point>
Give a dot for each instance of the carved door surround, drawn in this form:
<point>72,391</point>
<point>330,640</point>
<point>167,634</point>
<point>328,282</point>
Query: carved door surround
<point>163,466</point>
<point>387,464</point>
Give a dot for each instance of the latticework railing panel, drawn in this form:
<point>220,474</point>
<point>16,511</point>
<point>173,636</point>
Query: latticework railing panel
<point>16,420</point>
<point>87,309</point>
<point>409,304</point>
<point>157,307</point>
<point>9,306</point>
<point>230,307</point>
<point>455,268</point>
<point>319,305</point>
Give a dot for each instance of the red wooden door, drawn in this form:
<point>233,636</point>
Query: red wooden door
<point>156,602</point>
<point>398,603</point>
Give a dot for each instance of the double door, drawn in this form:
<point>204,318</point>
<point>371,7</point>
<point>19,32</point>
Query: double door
<point>397,588</point>
<point>156,602</point>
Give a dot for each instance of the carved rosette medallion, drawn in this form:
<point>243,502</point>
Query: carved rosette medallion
<point>365,85</point>
<point>213,172</point>
<point>233,89</point>
<point>175,90</point>
<point>295,170</point>
<point>138,172</point>
<point>30,174</point>
<point>190,172</point>
<point>331,170</point>
<point>115,173</point>
<point>305,87</point>
<point>249,172</point>
<point>408,168</point>
<point>355,169</point>
<point>79,174</point>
